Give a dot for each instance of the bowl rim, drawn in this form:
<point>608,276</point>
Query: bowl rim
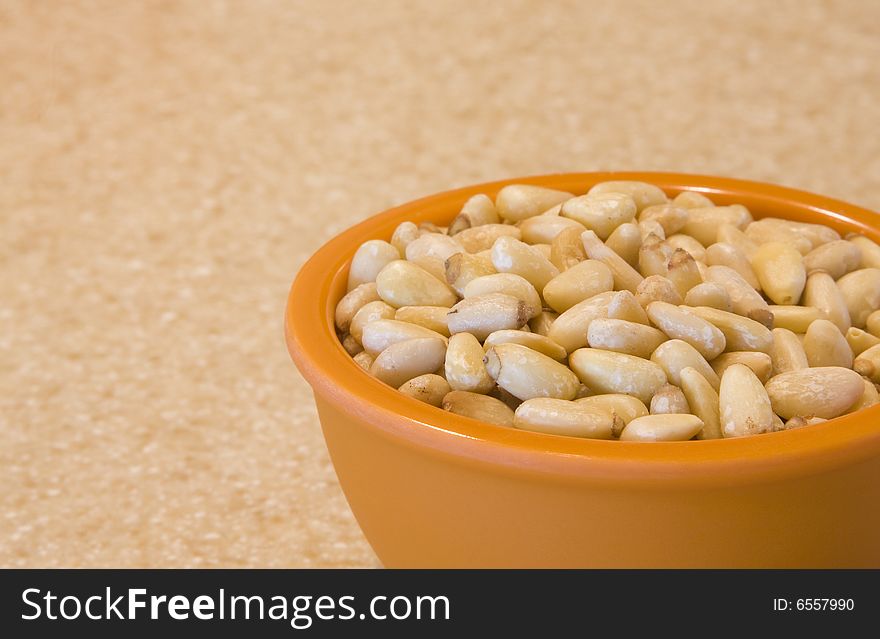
<point>335,377</point>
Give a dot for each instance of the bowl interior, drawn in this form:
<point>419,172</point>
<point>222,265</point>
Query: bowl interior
<point>310,333</point>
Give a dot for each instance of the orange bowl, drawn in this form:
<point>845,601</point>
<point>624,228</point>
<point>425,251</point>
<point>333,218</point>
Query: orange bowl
<point>433,489</point>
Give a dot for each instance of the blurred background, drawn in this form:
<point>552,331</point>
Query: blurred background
<point>166,167</point>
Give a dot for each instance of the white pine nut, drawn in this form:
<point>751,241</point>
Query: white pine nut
<point>642,193</point>
<point>683,272</point>
<point>740,333</point>
<point>662,428</point>
<point>780,269</point>
<point>623,305</point>
<point>625,276</point>
<point>562,417</point>
<point>405,233</point>
<point>507,284</point>
<point>569,329</point>
<point>527,374</point>
<point>654,256</point>
<point>702,399</point>
<point>567,250</point>
<point>370,258</point>
<point>669,399</point>
<point>517,202</point>
<point>835,258</point>
<point>432,317</point>
<point>869,249</point>
<point>689,244</point>
<point>677,323</point>
<point>703,223</point>
<point>462,268</point>
<point>760,363</point>
<point>825,346</point>
<point>481,238</point>
<point>721,254</point>
<point>601,213</point>
<point>581,281</point>
<point>675,355</point>
<point>624,337</point>
<point>821,292</point>
<point>692,200</point>
<point>657,288</point>
<point>609,372</point>
<point>402,361</point>
<point>860,341</point>
<point>370,312</point>
<point>432,245</point>
<point>428,388</point>
<point>485,314</point>
<point>623,408</point>
<point>799,421</point>
<point>761,234</point>
<point>464,365</point>
<point>815,234</point>
<point>352,302</point>
<point>382,333</point>
<point>671,217</point>
<point>868,364</point>
<point>734,236</point>
<point>480,407</point>
<point>861,293</point>
<point>625,240</point>
<point>543,229</point>
<point>403,283</point>
<point>743,403</point>
<point>477,211</point>
<point>745,300</point>
<point>536,342</point>
<point>787,352</point>
<point>825,392</point>
<point>509,255</point>
<point>708,294</point>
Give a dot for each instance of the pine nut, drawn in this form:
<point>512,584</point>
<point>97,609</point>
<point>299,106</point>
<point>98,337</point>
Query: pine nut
<point>868,364</point>
<point>624,337</point>
<point>683,272</point>
<point>625,276</point>
<point>432,317</point>
<point>799,421</point>
<point>569,329</point>
<point>702,399</point>
<point>745,300</point>
<point>825,346</point>
<point>517,202</point>
<point>675,355</point>
<point>814,234</point>
<point>654,256</point>
<point>403,283</point>
<point>567,250</point>
<point>609,372</point>
<point>740,333</point>
<point>432,245</point>
<point>536,342</point>
<point>481,238</point>
<point>780,269</point>
<point>835,258</point>
<point>642,193</point>
<point>708,294</point>
<point>405,233</point>
<point>859,341</point>
<point>364,360</point>
<point>743,403</point>
<point>821,292</point>
<point>760,363</point>
<point>352,302</point>
<point>601,213</point>
<point>368,260</point>
<point>762,234</point>
<point>692,200</point>
<point>657,288</point>
<point>733,235</point>
<point>507,284</point>
<point>512,256</point>
<point>689,244</point>
<point>669,399</point>
<point>402,361</point>
<point>671,217</point>
<point>679,324</point>
<point>623,305</point>
<point>703,223</point>
<point>825,392</point>
<point>477,211</point>
<point>485,314</point>
<point>428,388</point>
<point>543,229</point>
<point>662,428</point>
<point>797,319</point>
<point>869,249</point>
<point>787,352</point>
<point>623,408</point>
<point>464,365</point>
<point>625,240</point>
<point>873,323</point>
<point>527,374</point>
<point>462,268</point>
<point>562,417</point>
<point>721,254</point>
<point>870,397</point>
<point>371,312</point>
<point>541,324</point>
<point>351,345</point>
<point>651,231</point>
<point>861,293</point>
<point>382,333</point>
<point>480,407</point>
<point>581,281</point>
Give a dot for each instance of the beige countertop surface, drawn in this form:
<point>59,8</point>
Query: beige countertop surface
<point>165,168</point>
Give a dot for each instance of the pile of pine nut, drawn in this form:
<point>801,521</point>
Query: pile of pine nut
<point>620,314</point>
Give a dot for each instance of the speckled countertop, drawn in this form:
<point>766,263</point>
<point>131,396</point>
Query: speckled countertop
<point>165,167</point>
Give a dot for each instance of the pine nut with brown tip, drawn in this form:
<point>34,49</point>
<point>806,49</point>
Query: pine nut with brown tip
<point>485,314</point>
<point>625,240</point>
<point>462,268</point>
<point>623,408</point>
<point>623,305</point>
<point>567,250</point>
<point>745,300</point>
<point>657,288</point>
<point>689,244</point>
<point>477,211</point>
<point>506,284</point>
<point>669,399</point>
<point>682,271</point>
